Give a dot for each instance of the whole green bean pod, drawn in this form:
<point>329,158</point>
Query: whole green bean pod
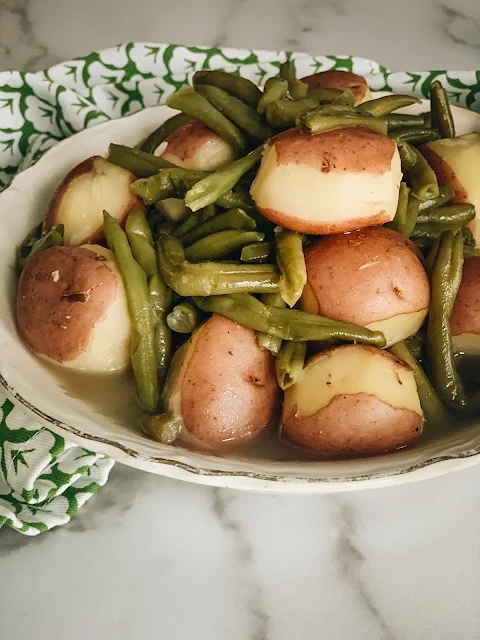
<point>233,199</point>
<point>194,220</point>
<point>432,406</point>
<point>316,122</point>
<point>442,118</point>
<point>423,180</point>
<point>408,156</point>
<point>211,278</point>
<point>141,242</point>
<point>398,223</point>
<point>266,341</point>
<point>183,318</point>
<point>209,189</point>
<point>386,104</point>
<point>221,244</point>
<point>258,252</point>
<point>140,163</point>
<point>347,98</point>
<point>291,264</point>
<point>411,215</point>
<point>468,237</point>
<point>289,363</point>
<point>231,219</point>
<point>161,299</point>
<point>276,90</point>
<point>432,231</point>
<point>162,427</point>
<point>53,238</point>
<point>454,216</point>
<point>414,135</point>
<point>167,183</point>
<point>155,139</point>
<point>189,101</point>
<point>237,86</point>
<point>241,114</point>
<point>287,324</point>
<point>283,113</point>
<point>404,121</point>
<point>445,195</point>
<point>143,353</point>
<point>324,96</point>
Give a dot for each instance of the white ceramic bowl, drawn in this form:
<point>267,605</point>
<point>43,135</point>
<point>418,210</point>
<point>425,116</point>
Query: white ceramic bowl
<point>25,379</point>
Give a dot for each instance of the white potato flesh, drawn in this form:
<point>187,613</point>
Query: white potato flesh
<point>399,327</point>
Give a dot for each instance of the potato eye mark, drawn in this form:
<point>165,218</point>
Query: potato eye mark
<point>77,297</point>
<point>255,380</point>
<point>398,292</point>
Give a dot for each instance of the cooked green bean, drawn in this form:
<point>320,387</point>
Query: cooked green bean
<point>235,85</point>
<point>141,242</point>
<point>408,156</point>
<point>211,278</point>
<point>414,136</point>
<point>165,228</point>
<point>324,96</point>
<point>347,98</point>
<point>233,199</point>
<point>162,427</point>
<point>241,114</point>
<point>386,104</point>
<point>143,353</point>
<point>446,276</point>
<point>161,299</point>
<point>427,119</point>
<point>403,120</point>
<point>53,238</point>
<point>316,122</point>
<point>442,118</point>
<point>423,180</point>
<point>183,318</point>
<point>411,215</point>
<point>194,220</point>
<point>288,324</point>
<point>155,139</point>
<point>298,89</point>
<point>167,183</point>
<point>283,113</point>
<point>173,209</point>
<point>291,264</point>
<point>276,90</point>
<point>208,190</point>
<point>141,164</point>
<point>432,231</point>
<point>398,223</point>
<point>456,215</point>
<point>258,252</point>
<point>339,110</point>
<point>468,237</point>
<point>221,244</point>
<point>266,341</point>
<point>232,219</point>
<point>445,195</point>
<point>189,101</point>
<point>289,363</point>
<point>432,406</point>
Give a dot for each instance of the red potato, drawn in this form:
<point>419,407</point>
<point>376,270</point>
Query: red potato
<point>72,309</point>
<point>222,385</point>
<point>370,277</point>
<point>465,318</point>
<point>334,79</point>
<point>330,182</point>
<point>195,146</point>
<point>456,162</point>
<point>352,400</point>
<point>90,188</point>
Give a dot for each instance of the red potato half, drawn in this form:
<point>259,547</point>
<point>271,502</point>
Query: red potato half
<point>342,80</point>
<point>222,385</point>
<point>352,400</point>
<point>195,146</point>
<point>72,309</point>
<point>90,188</point>
<point>370,277</point>
<point>456,162</point>
<point>330,182</point>
<point>465,318</point>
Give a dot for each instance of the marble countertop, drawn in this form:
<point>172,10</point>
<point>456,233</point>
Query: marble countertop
<point>153,559</point>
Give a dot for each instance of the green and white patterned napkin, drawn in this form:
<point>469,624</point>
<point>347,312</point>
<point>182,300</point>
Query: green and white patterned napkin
<point>43,479</point>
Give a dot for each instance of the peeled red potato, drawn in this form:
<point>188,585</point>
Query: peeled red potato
<point>222,385</point>
<point>456,162</point>
<point>465,318</point>
<point>195,146</point>
<point>329,182</point>
<point>342,80</point>
<point>352,400</point>
<point>90,188</point>
<point>370,277</point>
<point>72,309</point>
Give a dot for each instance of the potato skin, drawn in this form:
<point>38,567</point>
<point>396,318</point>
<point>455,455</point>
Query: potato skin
<point>337,79</point>
<point>465,316</point>
<point>229,392</point>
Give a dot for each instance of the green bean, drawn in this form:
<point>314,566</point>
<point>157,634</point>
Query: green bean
<point>411,215</point>
<point>194,220</point>
<point>291,264</point>
<point>442,118</point>
<point>232,219</point>
<point>162,427</point>
<point>288,324</point>
<point>189,101</point>
<point>143,354</point>
<point>338,110</point>
<point>161,299</point>
<point>446,276</point>
<point>347,98</point>
<point>415,344</point>
<point>155,139</point>
<point>165,228</point>
<point>402,120</point>
<point>183,318</point>
<point>141,242</point>
<point>52,238</point>
<point>141,164</point>
<point>221,244</point>
<point>241,114</point>
<point>317,122</point>
<point>456,215</point>
<point>468,237</point>
<point>432,406</point>
<point>445,195</point>
<point>408,156</point>
<point>167,183</point>
<point>414,136</point>
<point>386,104</point>
<point>432,231</point>
<point>277,89</point>
<point>324,96</point>
<point>258,252</point>
<point>208,190</point>
<point>25,248</point>
<point>289,363</point>
<point>298,90</point>
<point>423,180</point>
<point>173,209</point>
<point>266,341</point>
<point>211,278</point>
<point>398,223</point>
<point>233,199</point>
<point>283,113</point>
<point>237,86</point>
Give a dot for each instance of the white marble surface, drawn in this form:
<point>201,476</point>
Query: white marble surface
<point>153,559</point>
